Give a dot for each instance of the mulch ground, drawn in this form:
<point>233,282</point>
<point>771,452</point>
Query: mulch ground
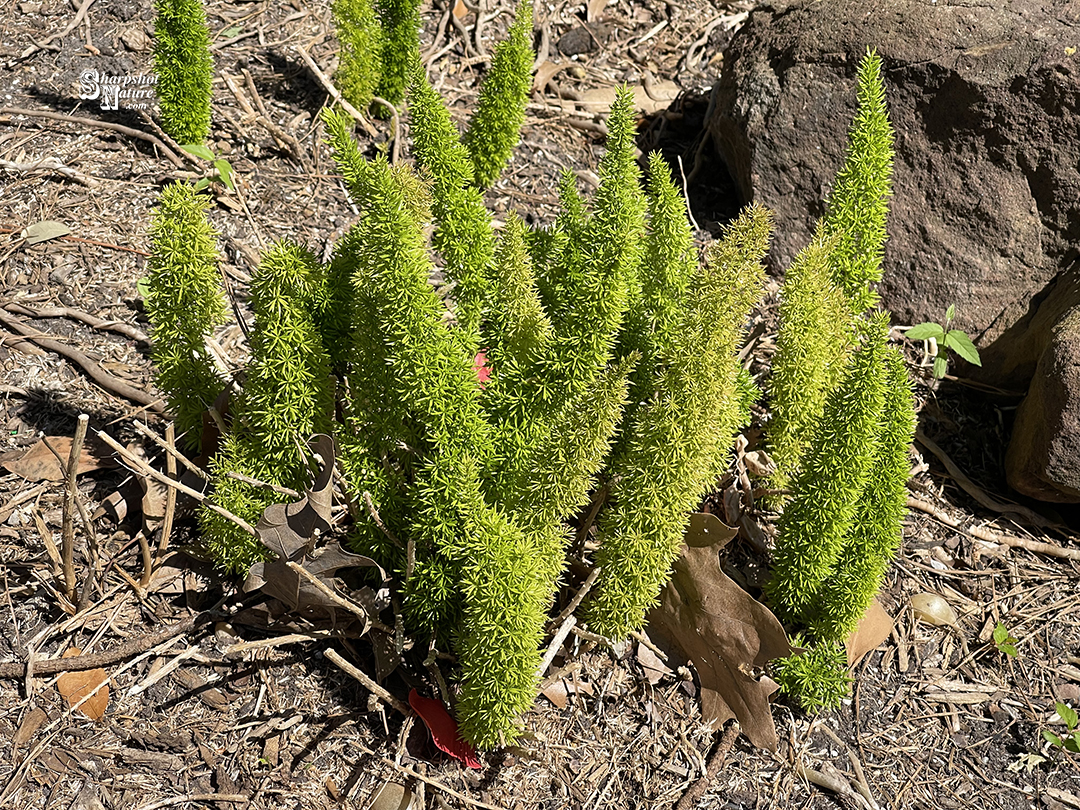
<point>938,716</point>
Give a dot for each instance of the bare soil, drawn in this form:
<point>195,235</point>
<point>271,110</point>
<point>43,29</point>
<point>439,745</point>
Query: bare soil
<point>938,716</point>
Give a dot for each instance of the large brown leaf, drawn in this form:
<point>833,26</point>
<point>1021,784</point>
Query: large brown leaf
<point>723,630</point>
<point>39,462</point>
<point>291,531</point>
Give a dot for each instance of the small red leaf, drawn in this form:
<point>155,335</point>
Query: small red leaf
<point>483,373</point>
<point>443,728</point>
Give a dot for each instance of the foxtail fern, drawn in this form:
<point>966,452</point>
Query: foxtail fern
<point>184,69</point>
<point>500,111</point>
<point>184,304</point>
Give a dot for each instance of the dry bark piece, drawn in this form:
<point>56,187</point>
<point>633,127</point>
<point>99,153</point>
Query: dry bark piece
<point>723,630</point>
<point>74,686</point>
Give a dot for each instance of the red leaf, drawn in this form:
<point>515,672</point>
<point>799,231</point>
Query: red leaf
<point>443,728</point>
<point>483,373</point>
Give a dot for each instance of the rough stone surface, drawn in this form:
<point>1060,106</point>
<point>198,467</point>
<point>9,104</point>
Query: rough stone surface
<point>985,102</point>
<point>1042,461</point>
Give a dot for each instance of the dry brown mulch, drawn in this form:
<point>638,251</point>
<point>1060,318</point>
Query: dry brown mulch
<point>938,715</point>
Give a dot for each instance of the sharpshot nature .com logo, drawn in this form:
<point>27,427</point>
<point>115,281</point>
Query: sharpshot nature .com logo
<point>129,92</point>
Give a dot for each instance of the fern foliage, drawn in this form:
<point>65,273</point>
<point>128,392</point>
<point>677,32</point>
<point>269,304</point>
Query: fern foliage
<point>184,303</point>
<point>500,110</point>
<point>184,69</point>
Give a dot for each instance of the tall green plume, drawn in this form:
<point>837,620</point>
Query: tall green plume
<point>859,203</point>
<point>400,20</point>
<point>812,346</point>
<point>674,443</point>
<point>360,57</point>
<point>184,304</point>
<point>875,534</point>
<point>835,470</point>
<point>184,69</point>
<point>463,234</point>
<point>287,397</point>
<point>495,126</point>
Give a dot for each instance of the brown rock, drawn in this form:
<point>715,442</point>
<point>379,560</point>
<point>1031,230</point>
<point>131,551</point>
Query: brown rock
<point>985,101</point>
<point>985,214</point>
<point>1044,455</point>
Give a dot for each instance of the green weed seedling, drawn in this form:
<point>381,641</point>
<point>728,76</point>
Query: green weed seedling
<point>955,340</point>
<point>223,169</point>
<point>1005,641</point>
<point>1071,740</point>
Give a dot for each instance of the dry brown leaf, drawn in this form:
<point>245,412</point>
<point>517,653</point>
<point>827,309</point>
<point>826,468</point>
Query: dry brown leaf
<point>39,463</point>
<point>654,668</point>
<point>723,630</point>
<point>460,9</point>
<point>28,727</point>
<point>874,628</point>
<point>546,72</point>
<point>290,531</point>
<point>392,796</point>
<point>594,8</point>
<point>74,686</point>
<point>556,692</point>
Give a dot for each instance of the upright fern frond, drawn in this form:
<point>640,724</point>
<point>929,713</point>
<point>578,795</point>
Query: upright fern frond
<point>400,20</point>
<point>875,534</point>
<point>673,444</point>
<point>184,69</point>
<point>464,235</point>
<point>857,208</point>
<point>495,127</point>
<point>834,472</point>
<point>184,304</point>
<point>287,397</point>
<point>812,347</point>
<point>360,57</point>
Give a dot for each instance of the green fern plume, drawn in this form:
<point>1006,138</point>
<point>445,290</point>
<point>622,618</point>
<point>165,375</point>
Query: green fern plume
<point>812,347</point>
<point>184,304</point>
<point>835,470</point>
<point>676,441</point>
<point>184,69</point>
<point>463,235</point>
<point>859,203</point>
<point>400,20</point>
<point>495,127</point>
<point>287,397</point>
<point>360,57</point>
<point>875,534</point>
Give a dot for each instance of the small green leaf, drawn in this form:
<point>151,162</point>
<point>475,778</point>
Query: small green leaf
<point>960,343</point>
<point>1053,738</point>
<point>201,184</point>
<point>225,172</point>
<point>44,231</point>
<point>925,331</point>
<point>1001,634</point>
<point>1009,650</point>
<point>941,365</point>
<point>143,286</point>
<point>198,150</point>
<point>950,312</point>
<point>1073,743</point>
<point>229,33</point>
<point>1066,713</point>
